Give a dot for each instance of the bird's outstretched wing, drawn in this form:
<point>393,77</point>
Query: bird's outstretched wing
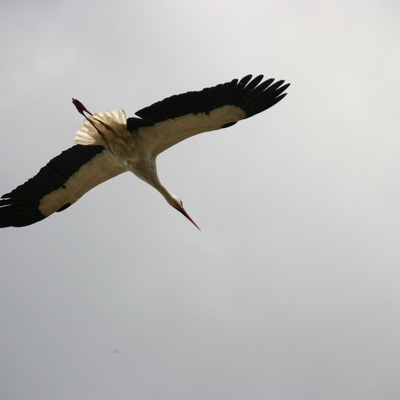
<point>57,185</point>
<point>179,117</point>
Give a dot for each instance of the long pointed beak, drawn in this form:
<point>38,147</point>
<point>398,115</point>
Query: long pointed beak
<point>183,211</point>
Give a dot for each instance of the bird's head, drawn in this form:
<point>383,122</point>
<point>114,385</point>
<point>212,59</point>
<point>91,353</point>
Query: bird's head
<point>177,203</point>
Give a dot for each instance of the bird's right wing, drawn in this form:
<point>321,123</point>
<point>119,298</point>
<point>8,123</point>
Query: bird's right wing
<point>179,117</point>
<point>57,185</point>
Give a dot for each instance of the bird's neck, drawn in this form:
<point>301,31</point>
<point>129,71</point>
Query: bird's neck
<point>148,173</point>
<point>171,199</point>
<point>154,181</point>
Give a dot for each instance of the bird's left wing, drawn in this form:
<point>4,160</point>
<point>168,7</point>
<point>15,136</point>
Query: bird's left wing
<point>57,185</point>
<point>179,117</point>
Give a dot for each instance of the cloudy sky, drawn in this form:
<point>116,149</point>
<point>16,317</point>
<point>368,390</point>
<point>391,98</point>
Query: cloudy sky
<point>292,288</point>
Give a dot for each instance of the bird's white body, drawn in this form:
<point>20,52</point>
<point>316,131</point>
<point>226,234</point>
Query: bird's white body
<point>125,152</point>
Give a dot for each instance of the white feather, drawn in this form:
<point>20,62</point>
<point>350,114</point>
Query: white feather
<point>88,134</point>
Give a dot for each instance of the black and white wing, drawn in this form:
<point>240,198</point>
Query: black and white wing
<point>181,116</point>
<point>57,185</point>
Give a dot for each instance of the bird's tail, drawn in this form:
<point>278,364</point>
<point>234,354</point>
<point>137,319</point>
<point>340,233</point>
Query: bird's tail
<point>97,127</point>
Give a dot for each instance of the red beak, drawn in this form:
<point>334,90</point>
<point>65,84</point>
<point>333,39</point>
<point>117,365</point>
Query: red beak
<point>183,211</point>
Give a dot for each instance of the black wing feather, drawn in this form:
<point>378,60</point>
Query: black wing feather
<point>252,96</point>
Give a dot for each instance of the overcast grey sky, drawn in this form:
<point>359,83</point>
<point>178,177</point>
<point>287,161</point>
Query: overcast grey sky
<point>291,290</point>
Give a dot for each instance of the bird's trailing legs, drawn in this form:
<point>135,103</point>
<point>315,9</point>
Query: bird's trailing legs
<point>82,110</point>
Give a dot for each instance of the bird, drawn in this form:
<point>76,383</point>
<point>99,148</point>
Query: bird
<point>108,144</point>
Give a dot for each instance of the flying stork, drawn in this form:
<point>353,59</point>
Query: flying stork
<point>108,144</point>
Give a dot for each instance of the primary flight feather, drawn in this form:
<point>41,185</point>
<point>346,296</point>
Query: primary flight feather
<point>108,144</point>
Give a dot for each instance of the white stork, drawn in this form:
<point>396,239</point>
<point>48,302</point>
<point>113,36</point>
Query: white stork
<point>108,144</point>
